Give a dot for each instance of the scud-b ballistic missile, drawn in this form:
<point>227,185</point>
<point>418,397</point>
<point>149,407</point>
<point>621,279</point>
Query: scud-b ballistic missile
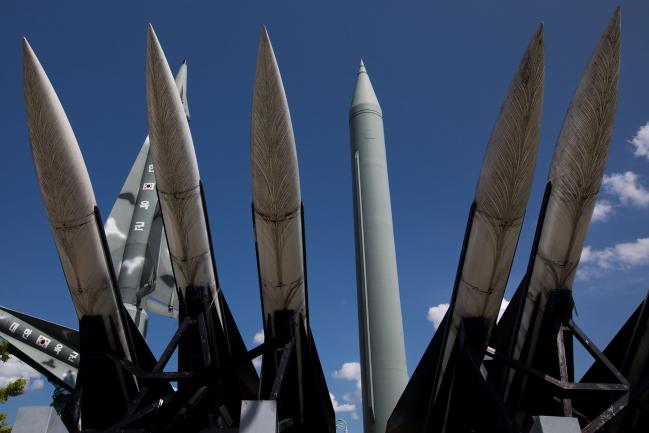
<point>183,207</point>
<point>279,239</point>
<point>79,238</point>
<point>383,354</point>
<point>52,350</point>
<point>492,232</point>
<point>571,191</point>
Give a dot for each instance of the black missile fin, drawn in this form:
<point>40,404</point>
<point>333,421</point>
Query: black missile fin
<point>318,410</point>
<point>409,415</point>
<point>246,373</point>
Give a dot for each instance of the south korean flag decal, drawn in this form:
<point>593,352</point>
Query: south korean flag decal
<point>148,186</point>
<point>43,341</point>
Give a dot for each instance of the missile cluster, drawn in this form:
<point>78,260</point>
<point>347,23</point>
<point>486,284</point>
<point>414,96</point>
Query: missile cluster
<point>154,254</point>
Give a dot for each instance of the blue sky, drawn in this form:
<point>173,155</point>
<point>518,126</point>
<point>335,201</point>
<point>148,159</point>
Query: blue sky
<point>440,71</point>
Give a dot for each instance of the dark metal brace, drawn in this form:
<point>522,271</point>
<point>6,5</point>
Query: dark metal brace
<point>281,370</point>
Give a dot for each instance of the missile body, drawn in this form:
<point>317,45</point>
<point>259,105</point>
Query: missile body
<point>501,198</point>
<point>279,237</point>
<point>276,192</point>
<point>491,236</point>
<point>177,176</point>
<point>383,357</point>
<point>51,349</point>
<point>71,210</point>
<point>185,219</point>
<point>135,236</point>
<point>575,177</point>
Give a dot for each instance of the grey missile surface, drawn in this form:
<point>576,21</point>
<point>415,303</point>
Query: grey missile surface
<point>493,228</point>
<point>278,222</point>
<point>573,182</point>
<point>383,358</point>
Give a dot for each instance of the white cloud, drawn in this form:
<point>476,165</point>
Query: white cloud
<point>603,210</point>
<point>129,265</point>
<point>349,371</point>
<point>257,363</point>
<point>620,256</point>
<point>436,314</point>
<point>15,369</point>
<point>627,187</point>
<point>345,407</point>
<point>641,142</point>
<point>111,229</point>
<point>259,337</point>
<point>503,307</point>
<point>36,384</point>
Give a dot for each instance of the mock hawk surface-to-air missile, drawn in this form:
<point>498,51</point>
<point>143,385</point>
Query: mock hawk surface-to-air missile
<point>154,254</point>
<point>495,220</point>
<point>278,221</point>
<point>214,343</point>
<point>104,325</point>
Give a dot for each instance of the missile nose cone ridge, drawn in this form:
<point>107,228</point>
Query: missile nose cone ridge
<point>181,83</point>
<point>364,98</point>
<point>62,175</point>
<point>582,148</point>
<point>273,157</point>
<point>508,168</point>
<point>171,140</point>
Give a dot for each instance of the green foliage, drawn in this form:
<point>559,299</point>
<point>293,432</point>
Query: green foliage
<point>4,427</point>
<point>4,351</point>
<point>15,388</point>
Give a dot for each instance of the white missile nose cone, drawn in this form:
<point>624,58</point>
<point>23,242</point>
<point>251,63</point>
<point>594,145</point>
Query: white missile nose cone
<point>364,95</point>
<point>361,68</point>
<point>171,141</point>
<point>62,175</point>
<point>275,176</point>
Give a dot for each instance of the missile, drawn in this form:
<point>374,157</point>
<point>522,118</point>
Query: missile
<point>573,184</point>
<point>183,208</point>
<point>178,180</point>
<point>80,241</point>
<point>279,237</point>
<point>383,353</point>
<point>52,350</point>
<point>135,235</point>
<point>492,232</point>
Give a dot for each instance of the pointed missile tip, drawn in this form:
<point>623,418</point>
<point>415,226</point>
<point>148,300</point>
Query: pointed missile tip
<point>152,38</point>
<point>361,68</point>
<point>184,62</point>
<point>612,32</point>
<point>263,34</point>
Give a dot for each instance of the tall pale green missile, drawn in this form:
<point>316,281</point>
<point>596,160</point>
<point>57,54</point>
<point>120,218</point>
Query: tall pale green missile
<point>383,355</point>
